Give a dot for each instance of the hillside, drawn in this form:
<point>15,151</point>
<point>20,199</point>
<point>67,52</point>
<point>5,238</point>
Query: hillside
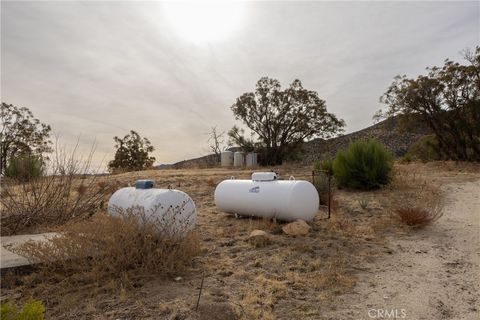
<point>385,131</point>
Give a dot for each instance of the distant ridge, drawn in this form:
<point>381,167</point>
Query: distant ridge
<point>386,132</point>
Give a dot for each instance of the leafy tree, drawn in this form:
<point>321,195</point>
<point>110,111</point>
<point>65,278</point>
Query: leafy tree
<point>132,153</point>
<point>282,119</point>
<point>448,100</point>
<point>21,134</point>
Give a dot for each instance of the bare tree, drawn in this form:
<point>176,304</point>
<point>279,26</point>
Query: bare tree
<point>217,142</point>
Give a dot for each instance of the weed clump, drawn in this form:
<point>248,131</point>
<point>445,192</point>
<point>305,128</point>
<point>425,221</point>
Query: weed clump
<point>418,217</point>
<point>365,165</point>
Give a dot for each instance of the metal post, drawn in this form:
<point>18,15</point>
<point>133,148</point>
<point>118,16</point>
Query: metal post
<point>200,292</point>
<point>329,195</point>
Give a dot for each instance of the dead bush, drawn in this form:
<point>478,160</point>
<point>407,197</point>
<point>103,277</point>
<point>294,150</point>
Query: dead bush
<point>211,182</point>
<point>416,200</point>
<point>418,217</point>
<point>68,191</point>
<point>105,246</point>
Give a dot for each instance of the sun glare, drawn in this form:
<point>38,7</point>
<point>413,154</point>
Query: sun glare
<point>202,22</point>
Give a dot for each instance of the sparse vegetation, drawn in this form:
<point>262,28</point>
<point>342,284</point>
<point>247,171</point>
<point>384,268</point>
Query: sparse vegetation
<point>365,165</point>
<point>107,247</point>
<point>253,281</point>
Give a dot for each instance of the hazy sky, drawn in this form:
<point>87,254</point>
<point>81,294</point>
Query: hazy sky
<point>99,69</point>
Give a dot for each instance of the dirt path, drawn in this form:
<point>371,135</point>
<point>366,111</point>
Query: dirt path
<point>432,273</point>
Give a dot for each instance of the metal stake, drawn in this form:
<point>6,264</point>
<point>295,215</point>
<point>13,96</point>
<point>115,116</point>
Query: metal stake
<point>200,292</point>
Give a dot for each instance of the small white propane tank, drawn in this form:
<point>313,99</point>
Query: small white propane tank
<point>266,196</point>
<point>172,210</point>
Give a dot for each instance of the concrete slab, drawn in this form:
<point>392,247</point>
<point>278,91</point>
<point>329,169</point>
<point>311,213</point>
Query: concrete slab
<point>9,259</point>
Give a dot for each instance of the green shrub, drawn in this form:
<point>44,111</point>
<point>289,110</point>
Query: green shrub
<point>364,165</point>
<point>425,149</point>
<point>32,310</point>
<point>25,167</point>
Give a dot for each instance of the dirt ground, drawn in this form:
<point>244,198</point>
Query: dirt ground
<point>361,259</point>
<point>433,273</point>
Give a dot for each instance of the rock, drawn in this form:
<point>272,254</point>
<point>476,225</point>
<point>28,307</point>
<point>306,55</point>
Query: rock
<point>259,238</point>
<point>225,273</point>
<point>177,279</point>
<point>296,228</point>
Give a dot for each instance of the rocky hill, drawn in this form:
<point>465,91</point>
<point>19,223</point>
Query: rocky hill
<point>387,132</point>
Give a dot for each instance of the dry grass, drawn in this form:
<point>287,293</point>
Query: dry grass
<point>107,247</point>
<point>101,259</point>
<point>259,301</point>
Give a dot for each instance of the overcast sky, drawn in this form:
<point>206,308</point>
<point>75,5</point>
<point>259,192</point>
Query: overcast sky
<point>99,69</point>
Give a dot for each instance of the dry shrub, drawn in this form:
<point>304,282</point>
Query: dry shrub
<point>110,246</point>
<point>418,217</point>
<point>417,202</point>
<point>69,191</point>
<point>211,182</point>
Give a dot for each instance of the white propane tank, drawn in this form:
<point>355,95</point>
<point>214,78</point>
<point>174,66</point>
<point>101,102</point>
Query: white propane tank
<point>226,159</point>
<point>173,210</point>
<point>265,196</point>
<point>238,159</point>
<point>251,159</point>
